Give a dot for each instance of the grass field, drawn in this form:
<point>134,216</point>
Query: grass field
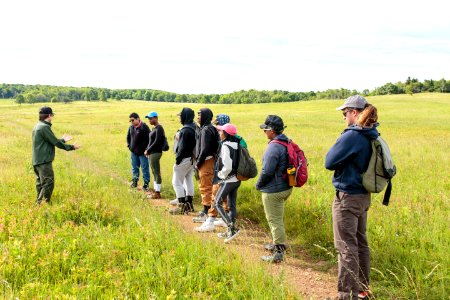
<point>100,240</point>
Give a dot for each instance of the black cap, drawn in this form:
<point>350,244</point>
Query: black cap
<point>45,110</point>
<point>274,123</point>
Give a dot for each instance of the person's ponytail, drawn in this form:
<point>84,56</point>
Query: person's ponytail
<point>368,117</point>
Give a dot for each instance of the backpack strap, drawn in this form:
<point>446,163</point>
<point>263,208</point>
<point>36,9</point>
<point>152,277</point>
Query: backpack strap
<point>387,193</point>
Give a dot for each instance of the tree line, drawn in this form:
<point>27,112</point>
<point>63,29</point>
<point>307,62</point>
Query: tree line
<point>46,93</point>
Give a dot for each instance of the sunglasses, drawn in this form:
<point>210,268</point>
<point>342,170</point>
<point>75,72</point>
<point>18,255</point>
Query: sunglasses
<point>345,112</point>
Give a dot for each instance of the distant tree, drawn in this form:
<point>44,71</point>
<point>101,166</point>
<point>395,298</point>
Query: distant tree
<point>20,99</point>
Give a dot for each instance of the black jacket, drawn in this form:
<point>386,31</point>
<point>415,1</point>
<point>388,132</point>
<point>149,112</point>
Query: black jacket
<point>208,139</point>
<point>186,142</point>
<point>137,138</point>
<point>156,140</point>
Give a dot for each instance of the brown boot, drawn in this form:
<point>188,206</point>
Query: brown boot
<point>154,195</point>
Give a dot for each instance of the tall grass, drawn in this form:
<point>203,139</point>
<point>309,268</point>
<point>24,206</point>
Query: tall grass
<point>97,239</point>
<point>409,239</point>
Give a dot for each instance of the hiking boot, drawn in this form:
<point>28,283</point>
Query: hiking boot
<point>182,209</point>
<point>189,204</point>
<point>277,254</point>
<point>174,202</point>
<point>232,233</point>
<point>207,226</point>
<point>134,183</point>
<point>145,187</point>
<point>220,223</point>
<point>154,195</point>
<point>276,257</point>
<point>269,247</point>
<point>200,218</point>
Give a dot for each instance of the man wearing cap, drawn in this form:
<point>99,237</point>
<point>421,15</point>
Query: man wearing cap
<point>157,138</point>
<point>137,140</point>
<point>274,188</point>
<point>43,153</point>
<point>349,158</point>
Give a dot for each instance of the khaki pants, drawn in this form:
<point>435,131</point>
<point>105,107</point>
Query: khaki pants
<point>206,174</point>
<point>350,240</point>
<point>274,209</point>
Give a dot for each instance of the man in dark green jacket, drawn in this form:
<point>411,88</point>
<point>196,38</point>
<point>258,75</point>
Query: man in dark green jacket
<point>44,142</point>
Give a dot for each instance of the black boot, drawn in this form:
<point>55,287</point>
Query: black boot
<point>179,209</point>
<point>277,255</point>
<point>134,183</point>
<point>189,207</point>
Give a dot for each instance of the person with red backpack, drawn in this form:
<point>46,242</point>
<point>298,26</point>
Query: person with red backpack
<point>273,185</point>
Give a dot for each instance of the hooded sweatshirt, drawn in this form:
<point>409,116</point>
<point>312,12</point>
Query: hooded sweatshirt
<point>349,158</point>
<point>208,139</point>
<point>274,164</point>
<point>186,142</point>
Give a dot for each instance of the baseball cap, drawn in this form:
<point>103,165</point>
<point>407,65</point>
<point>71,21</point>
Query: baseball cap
<point>222,119</point>
<point>228,128</point>
<point>274,123</point>
<point>45,110</point>
<point>152,114</point>
<point>355,101</point>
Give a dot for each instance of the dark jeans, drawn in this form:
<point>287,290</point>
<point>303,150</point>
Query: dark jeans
<point>140,161</point>
<point>45,181</point>
<point>227,189</point>
<point>350,240</point>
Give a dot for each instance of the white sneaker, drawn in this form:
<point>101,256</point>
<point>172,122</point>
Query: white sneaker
<point>174,202</point>
<point>205,227</point>
<point>200,218</point>
<point>220,223</point>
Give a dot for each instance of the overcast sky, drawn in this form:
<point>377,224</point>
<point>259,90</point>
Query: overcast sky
<point>190,46</point>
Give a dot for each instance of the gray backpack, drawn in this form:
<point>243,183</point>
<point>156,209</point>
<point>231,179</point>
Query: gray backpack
<point>380,171</point>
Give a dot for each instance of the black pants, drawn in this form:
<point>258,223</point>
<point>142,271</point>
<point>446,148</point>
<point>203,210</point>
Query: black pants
<point>227,189</point>
<point>45,182</point>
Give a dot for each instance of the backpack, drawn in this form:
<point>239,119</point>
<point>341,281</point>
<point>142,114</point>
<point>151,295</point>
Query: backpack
<point>380,171</point>
<point>244,166</point>
<point>297,160</point>
<point>165,146</point>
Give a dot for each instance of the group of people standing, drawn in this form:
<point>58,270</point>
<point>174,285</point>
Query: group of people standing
<point>209,151</point>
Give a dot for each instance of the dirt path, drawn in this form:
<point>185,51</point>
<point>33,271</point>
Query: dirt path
<point>303,276</point>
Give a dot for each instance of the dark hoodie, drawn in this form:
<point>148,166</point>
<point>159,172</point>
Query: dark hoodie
<point>349,157</point>
<point>274,164</point>
<point>186,143</point>
<point>208,139</point>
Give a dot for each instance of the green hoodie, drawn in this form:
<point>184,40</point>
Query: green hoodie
<point>44,142</point>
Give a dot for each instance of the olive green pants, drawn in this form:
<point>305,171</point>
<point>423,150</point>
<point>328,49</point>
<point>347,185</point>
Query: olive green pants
<point>45,182</point>
<point>155,166</point>
<point>274,208</point>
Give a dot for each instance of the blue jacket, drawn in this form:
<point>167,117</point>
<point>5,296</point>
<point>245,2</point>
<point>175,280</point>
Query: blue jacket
<point>349,157</point>
<point>274,165</point>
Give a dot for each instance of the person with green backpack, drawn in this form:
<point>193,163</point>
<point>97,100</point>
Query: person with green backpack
<point>349,158</point>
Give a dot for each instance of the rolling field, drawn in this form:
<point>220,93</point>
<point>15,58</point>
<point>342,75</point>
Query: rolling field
<point>99,240</point>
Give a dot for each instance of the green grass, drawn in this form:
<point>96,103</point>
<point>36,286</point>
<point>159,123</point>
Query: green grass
<point>117,246</point>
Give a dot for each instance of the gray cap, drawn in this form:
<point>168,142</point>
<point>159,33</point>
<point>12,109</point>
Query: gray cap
<point>355,101</point>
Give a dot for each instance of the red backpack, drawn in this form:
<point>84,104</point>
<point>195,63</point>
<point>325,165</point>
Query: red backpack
<point>298,161</point>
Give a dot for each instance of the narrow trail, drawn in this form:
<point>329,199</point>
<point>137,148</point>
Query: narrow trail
<point>303,276</point>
